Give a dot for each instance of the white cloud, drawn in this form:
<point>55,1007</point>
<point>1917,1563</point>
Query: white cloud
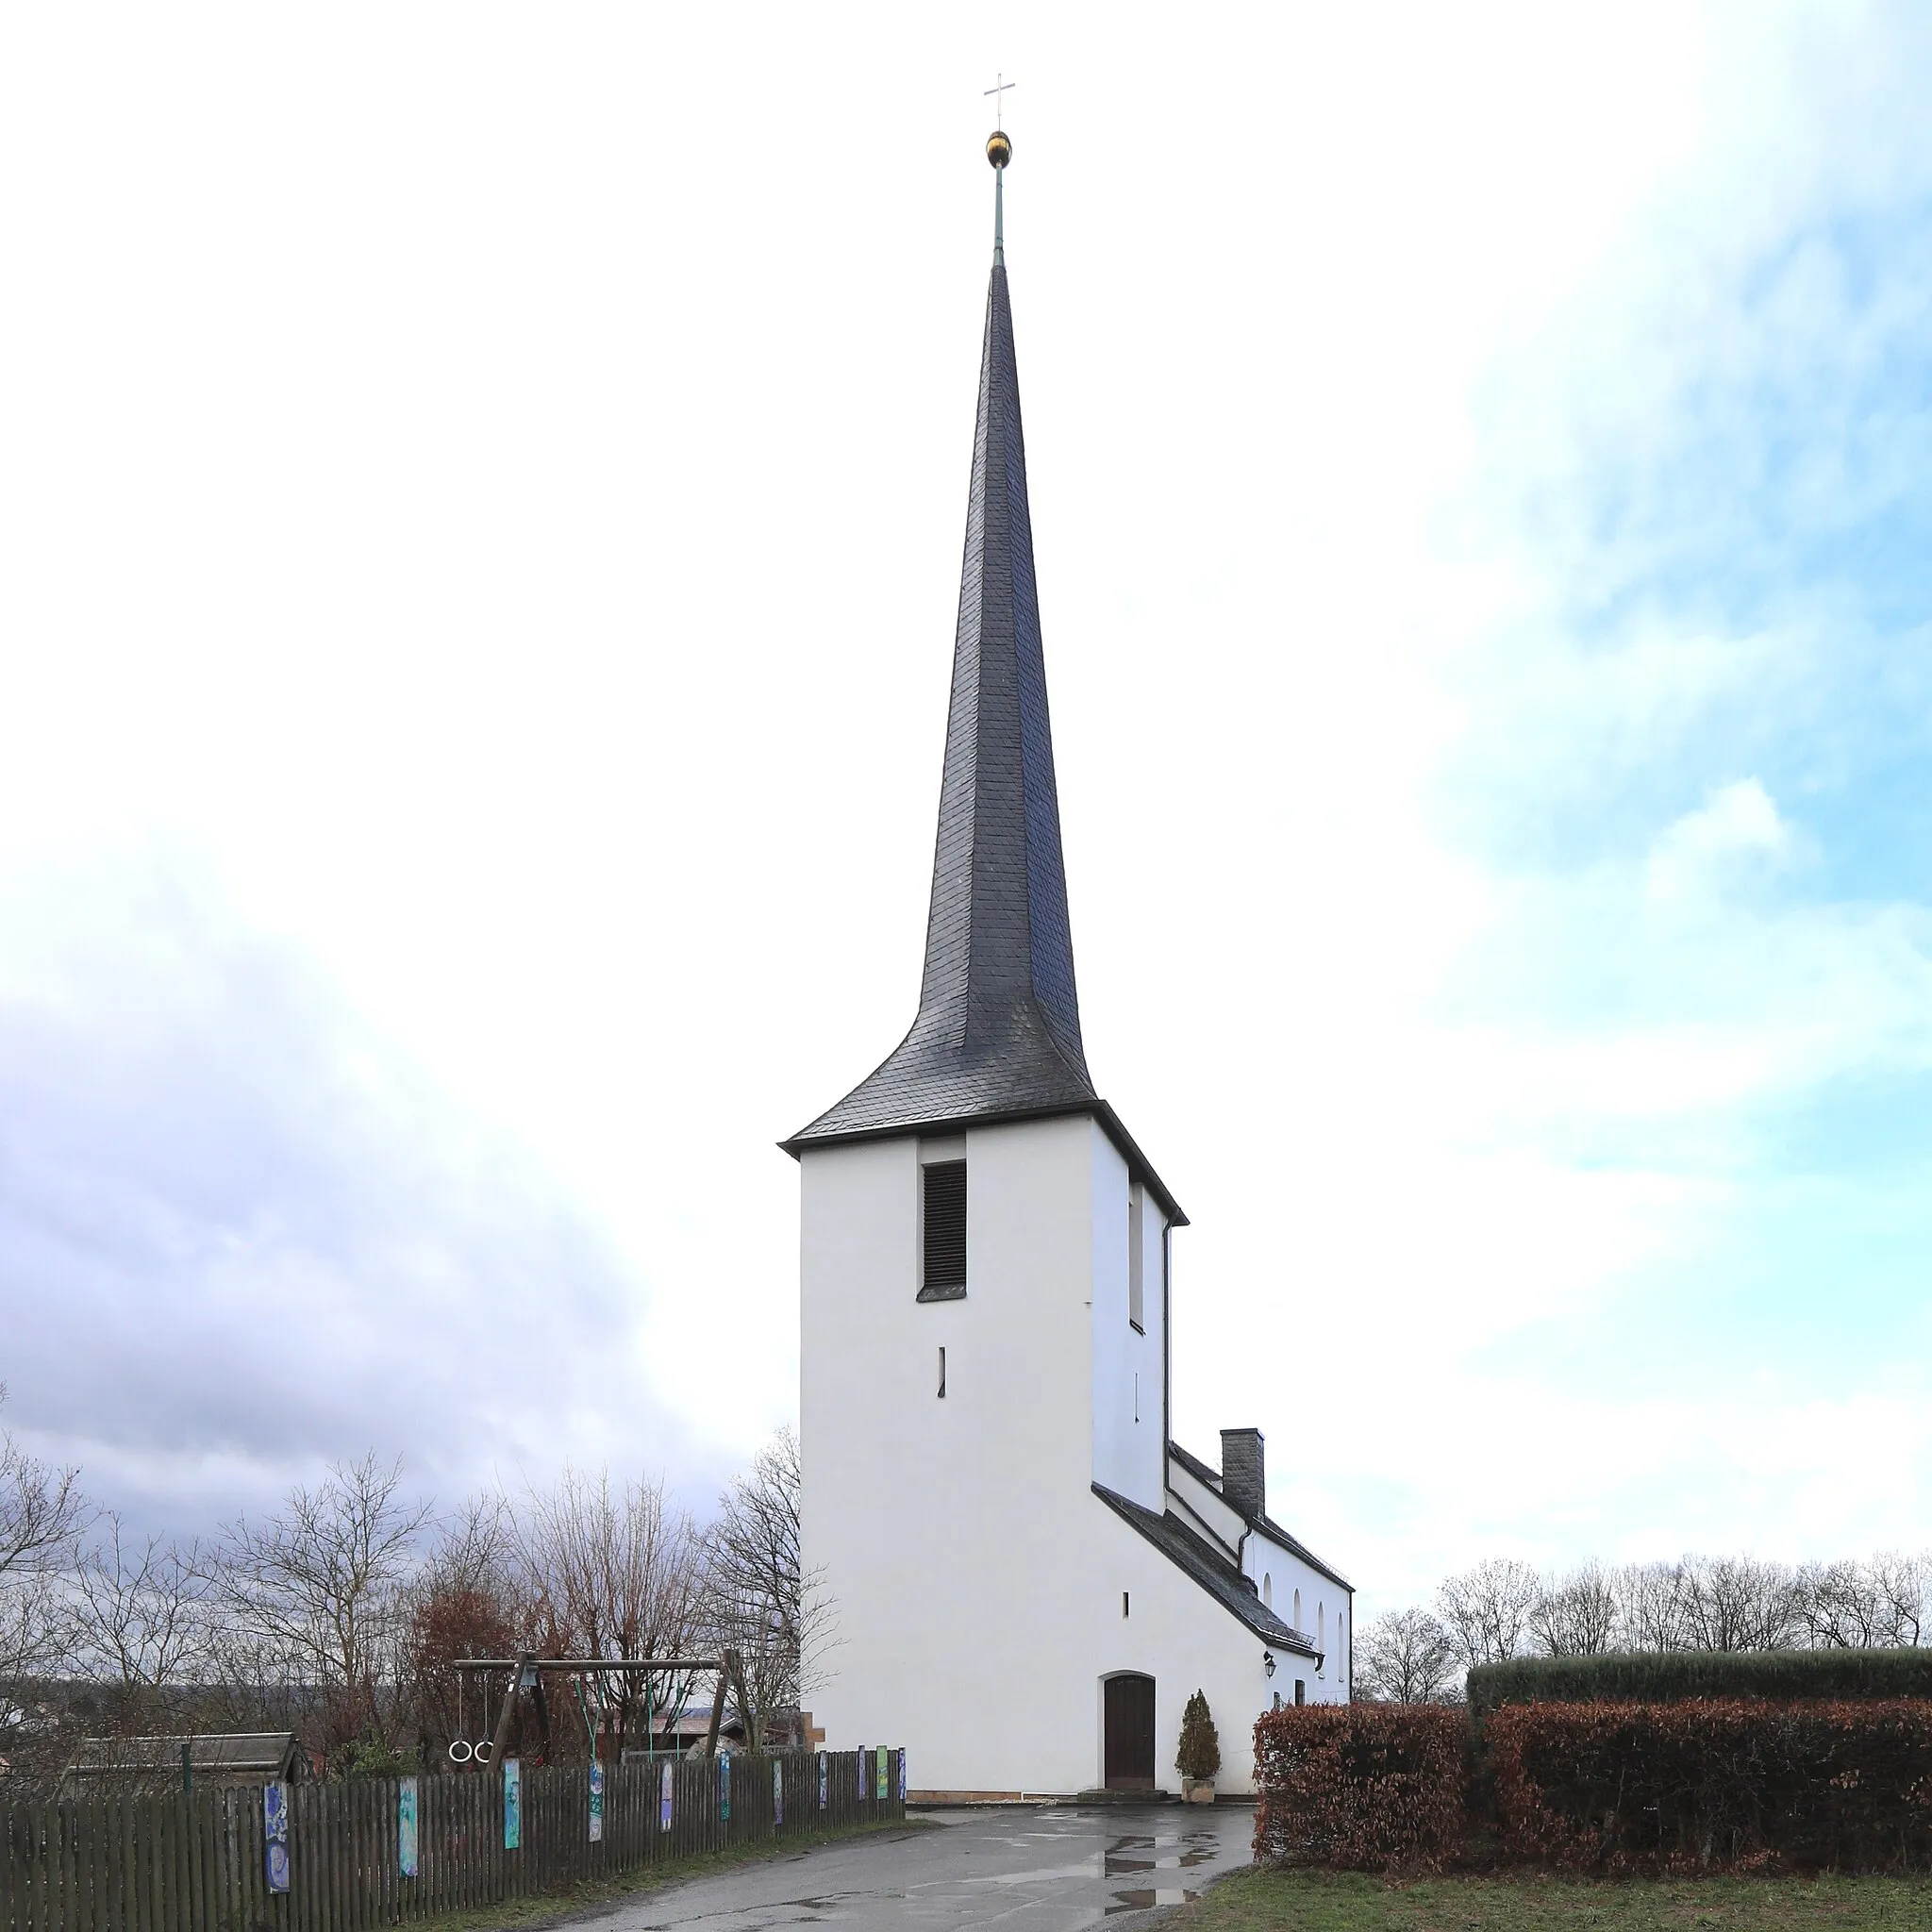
<point>1736,818</point>
<point>240,1237</point>
<point>521,580</point>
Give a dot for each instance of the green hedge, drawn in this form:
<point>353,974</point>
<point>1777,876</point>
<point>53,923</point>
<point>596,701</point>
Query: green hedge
<point>1670,1676</point>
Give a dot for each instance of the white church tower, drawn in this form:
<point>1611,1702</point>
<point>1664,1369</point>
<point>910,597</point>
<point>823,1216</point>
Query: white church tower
<point>1025,1577</point>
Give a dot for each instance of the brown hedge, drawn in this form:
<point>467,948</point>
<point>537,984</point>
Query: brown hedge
<point>1714,1784</point>
<point>1366,1787</point>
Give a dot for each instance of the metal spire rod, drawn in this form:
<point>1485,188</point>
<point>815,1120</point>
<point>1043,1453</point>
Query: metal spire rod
<point>999,151</point>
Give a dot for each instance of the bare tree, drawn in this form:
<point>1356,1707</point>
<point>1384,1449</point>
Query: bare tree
<point>1903,1587</point>
<point>41,1510</point>
<point>1404,1657</point>
<point>1737,1603</point>
<point>1578,1616</point>
<point>1651,1596</point>
<point>1861,1606</point>
<point>141,1617</point>
<point>467,1600</point>
<point>613,1574</point>
<point>41,1513</point>
<point>1839,1606</point>
<point>1486,1610</point>
<point>759,1599</point>
<point>314,1592</point>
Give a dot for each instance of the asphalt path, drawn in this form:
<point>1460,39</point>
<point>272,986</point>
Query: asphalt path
<point>1030,1870</point>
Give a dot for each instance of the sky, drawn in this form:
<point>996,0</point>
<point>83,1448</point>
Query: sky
<point>481,494</point>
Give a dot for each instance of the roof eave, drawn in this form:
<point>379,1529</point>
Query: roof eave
<point>1265,1524</point>
<point>1296,1547</point>
<point>1129,1149</point>
<point>1195,1467</point>
<point>1281,1638</point>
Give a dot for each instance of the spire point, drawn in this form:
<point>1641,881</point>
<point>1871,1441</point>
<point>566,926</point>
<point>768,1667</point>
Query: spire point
<point>999,151</point>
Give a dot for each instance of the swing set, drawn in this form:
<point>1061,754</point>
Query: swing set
<point>525,1673</point>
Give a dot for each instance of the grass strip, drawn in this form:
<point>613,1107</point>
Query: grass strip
<point>1269,1901</point>
<point>597,1898</point>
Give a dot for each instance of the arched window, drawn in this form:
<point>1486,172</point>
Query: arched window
<point>1321,1626</point>
<point>1268,1589</point>
<point>1297,1609</point>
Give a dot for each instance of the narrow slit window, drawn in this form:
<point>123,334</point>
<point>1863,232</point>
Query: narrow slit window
<point>1137,1293</point>
<point>942,1273</point>
<point>942,1374</point>
<point>1124,1602</point>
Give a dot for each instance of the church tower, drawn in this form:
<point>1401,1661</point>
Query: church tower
<point>985,1291</point>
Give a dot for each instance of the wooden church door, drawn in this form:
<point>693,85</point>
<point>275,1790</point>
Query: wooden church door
<point>1127,1706</point>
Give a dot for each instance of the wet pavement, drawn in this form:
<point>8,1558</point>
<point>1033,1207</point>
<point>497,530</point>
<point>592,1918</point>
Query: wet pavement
<point>1051,1868</point>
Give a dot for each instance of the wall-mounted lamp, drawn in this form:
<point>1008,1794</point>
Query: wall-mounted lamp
<point>1268,1662</point>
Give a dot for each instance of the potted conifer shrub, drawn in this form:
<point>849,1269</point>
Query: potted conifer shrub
<point>1199,1757</point>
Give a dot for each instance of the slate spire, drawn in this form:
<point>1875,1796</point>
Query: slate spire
<point>998,1027</point>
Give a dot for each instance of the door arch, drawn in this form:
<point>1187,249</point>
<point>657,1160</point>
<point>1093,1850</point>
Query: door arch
<point>1127,1732</point>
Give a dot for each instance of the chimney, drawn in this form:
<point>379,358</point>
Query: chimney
<point>1243,1473</point>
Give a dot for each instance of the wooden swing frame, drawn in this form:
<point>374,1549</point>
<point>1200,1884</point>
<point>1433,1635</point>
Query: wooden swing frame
<point>729,1667</point>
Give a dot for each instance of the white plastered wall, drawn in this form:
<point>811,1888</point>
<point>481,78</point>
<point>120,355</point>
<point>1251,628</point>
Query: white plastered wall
<point>975,1580</point>
<point>1129,1364</point>
<point>943,1531</point>
<point>1278,1575</point>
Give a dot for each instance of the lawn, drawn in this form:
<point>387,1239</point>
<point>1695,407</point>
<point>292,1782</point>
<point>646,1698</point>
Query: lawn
<point>1345,1902</point>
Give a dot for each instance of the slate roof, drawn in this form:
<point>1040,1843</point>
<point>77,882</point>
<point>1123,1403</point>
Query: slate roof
<point>1213,1571</point>
<point>1266,1525</point>
<point>997,1034</point>
<point>1197,1468</point>
<point>1294,1546</point>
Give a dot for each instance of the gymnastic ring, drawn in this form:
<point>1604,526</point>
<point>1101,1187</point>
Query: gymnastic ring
<point>459,1751</point>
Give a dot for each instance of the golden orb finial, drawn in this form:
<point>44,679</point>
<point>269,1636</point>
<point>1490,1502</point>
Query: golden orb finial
<point>999,149</point>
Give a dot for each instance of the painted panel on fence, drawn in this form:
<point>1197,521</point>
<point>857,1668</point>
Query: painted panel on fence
<point>882,1771</point>
<point>724,1785</point>
<point>664,1802</point>
<point>405,1827</point>
<point>512,1804</point>
<point>777,1792</point>
<point>275,1832</point>
<point>902,1774</point>
<point>596,1801</point>
<point>821,1781</point>
<point>861,1771</point>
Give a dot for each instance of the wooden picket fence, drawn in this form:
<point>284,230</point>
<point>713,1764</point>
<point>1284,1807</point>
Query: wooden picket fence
<point>197,1861</point>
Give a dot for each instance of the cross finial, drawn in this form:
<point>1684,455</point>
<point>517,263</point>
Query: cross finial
<point>999,105</point>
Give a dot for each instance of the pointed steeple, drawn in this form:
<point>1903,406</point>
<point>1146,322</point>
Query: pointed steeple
<point>997,1034</point>
<point>998,1029</point>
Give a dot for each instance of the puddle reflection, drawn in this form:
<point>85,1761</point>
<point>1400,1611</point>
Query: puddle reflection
<point>1161,1852</point>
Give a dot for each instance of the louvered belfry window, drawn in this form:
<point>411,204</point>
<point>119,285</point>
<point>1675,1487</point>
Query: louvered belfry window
<point>943,1262</point>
